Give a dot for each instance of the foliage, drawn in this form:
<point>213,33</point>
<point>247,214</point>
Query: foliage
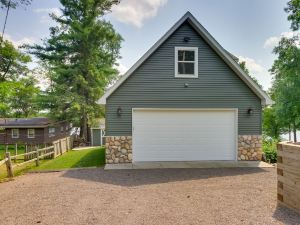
<point>293,8</point>
<point>13,3</point>
<point>286,83</point>
<point>269,147</point>
<point>243,66</point>
<point>13,63</point>
<point>19,98</point>
<point>80,55</point>
<point>272,126</point>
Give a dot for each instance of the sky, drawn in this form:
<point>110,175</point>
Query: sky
<point>249,29</point>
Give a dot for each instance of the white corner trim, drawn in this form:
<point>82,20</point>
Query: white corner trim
<point>265,99</point>
<point>195,75</point>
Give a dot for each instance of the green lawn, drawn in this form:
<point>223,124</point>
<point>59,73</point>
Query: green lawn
<point>93,157</point>
<point>11,149</point>
<point>75,159</point>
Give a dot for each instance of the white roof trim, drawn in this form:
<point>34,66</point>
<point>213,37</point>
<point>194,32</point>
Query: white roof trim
<point>265,99</point>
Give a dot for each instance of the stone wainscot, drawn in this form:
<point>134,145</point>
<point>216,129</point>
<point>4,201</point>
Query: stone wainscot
<point>118,149</point>
<point>250,147</point>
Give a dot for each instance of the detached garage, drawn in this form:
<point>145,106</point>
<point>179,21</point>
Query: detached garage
<point>186,99</point>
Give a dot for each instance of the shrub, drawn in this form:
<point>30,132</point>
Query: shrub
<point>270,149</point>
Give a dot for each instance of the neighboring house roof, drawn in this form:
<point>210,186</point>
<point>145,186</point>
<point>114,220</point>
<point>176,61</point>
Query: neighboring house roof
<point>226,56</point>
<point>24,122</point>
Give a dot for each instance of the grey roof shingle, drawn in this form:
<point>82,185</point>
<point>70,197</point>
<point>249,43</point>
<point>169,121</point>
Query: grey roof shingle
<point>15,122</point>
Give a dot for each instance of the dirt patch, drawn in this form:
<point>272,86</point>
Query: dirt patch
<point>162,196</point>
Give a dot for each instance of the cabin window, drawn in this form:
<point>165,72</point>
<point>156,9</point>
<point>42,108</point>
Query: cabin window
<point>51,131</point>
<point>31,133</point>
<point>186,62</point>
<point>61,129</point>
<point>15,133</point>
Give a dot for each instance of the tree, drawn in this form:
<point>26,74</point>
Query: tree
<point>13,63</point>
<point>293,8</point>
<point>24,98</point>
<point>10,4</point>
<point>13,3</point>
<point>272,126</point>
<point>80,53</point>
<point>243,66</point>
<point>19,98</point>
<point>286,83</point>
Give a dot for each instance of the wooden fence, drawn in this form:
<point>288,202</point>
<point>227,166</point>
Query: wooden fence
<point>57,148</point>
<point>288,175</point>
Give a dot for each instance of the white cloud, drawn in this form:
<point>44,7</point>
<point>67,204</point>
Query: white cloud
<point>122,68</point>
<point>252,65</point>
<point>135,12</point>
<point>19,42</point>
<point>271,42</point>
<point>45,18</point>
<point>258,71</point>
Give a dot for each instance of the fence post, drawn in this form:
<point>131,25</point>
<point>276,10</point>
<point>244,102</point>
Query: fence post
<point>16,152</point>
<point>67,144</point>
<point>9,165</point>
<point>37,162</point>
<point>54,149</point>
<point>26,151</point>
<point>60,146</point>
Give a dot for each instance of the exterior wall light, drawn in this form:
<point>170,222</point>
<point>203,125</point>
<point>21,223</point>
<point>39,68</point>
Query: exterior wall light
<point>186,85</point>
<point>119,111</point>
<point>186,39</point>
<point>250,111</point>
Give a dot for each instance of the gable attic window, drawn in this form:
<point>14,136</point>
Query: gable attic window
<point>186,62</point>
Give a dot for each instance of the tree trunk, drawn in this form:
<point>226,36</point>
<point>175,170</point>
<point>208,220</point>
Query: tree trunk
<point>295,131</point>
<point>290,135</point>
<point>84,127</point>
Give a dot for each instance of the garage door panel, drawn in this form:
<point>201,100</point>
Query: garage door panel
<point>184,135</point>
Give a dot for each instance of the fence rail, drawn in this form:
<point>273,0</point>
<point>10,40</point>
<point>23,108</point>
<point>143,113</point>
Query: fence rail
<point>3,161</point>
<point>57,148</point>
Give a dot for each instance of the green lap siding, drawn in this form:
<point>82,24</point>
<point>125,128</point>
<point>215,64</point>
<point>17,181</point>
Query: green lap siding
<point>153,85</point>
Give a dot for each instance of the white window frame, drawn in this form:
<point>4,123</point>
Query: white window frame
<point>28,133</point>
<point>12,133</point>
<point>195,75</point>
<point>51,134</point>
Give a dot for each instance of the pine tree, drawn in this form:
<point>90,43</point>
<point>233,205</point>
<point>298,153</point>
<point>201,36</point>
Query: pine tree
<point>80,53</point>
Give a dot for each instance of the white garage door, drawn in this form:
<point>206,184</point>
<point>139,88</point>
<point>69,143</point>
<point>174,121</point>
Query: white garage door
<point>184,135</point>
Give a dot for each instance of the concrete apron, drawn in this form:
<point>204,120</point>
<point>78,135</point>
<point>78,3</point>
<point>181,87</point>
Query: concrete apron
<point>193,164</point>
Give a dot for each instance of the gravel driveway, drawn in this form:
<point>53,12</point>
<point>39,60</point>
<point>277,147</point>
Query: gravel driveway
<point>160,197</point>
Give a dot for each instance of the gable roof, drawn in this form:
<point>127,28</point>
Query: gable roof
<point>226,56</point>
<point>24,122</point>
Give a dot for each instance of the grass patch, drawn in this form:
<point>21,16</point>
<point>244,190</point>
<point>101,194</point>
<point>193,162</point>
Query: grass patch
<point>11,149</point>
<point>76,159</point>
<point>17,170</point>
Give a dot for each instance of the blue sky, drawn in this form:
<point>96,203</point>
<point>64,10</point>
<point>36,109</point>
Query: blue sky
<point>247,28</point>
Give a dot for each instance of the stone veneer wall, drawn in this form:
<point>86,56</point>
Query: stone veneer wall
<point>118,149</point>
<point>250,147</point>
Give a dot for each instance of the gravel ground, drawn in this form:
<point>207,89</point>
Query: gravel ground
<point>160,197</point>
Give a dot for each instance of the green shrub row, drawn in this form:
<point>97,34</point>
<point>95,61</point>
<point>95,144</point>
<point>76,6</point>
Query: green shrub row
<point>269,148</point>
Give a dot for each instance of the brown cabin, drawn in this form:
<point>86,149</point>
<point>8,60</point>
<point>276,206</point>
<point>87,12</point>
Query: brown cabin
<point>32,130</point>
